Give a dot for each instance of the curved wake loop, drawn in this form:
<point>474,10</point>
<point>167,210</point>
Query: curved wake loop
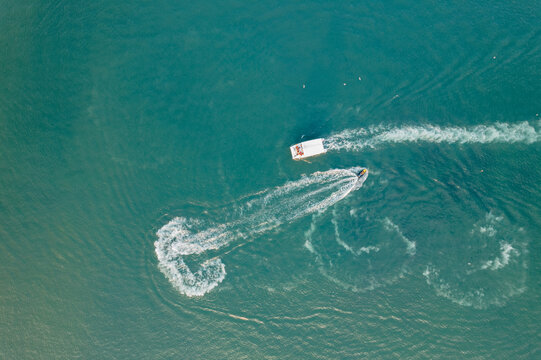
<point>357,139</point>
<point>182,238</point>
<point>493,268</point>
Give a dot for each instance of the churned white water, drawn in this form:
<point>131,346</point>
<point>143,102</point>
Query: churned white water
<point>266,210</point>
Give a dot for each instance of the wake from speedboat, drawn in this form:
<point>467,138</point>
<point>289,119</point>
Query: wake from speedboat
<point>357,139</point>
<point>183,238</point>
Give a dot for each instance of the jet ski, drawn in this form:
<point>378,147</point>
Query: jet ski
<point>361,173</point>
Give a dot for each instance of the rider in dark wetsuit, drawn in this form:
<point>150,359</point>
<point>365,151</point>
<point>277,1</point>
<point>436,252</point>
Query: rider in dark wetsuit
<point>361,173</point>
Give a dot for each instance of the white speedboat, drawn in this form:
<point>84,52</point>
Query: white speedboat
<point>307,149</point>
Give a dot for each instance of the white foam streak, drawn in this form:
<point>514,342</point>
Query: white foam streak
<point>506,251</point>
<point>363,249</point>
<point>489,229</point>
<point>357,139</point>
<point>264,211</point>
<point>368,249</point>
<point>411,247</point>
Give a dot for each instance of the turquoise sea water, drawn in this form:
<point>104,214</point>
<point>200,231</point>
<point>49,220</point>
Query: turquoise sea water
<point>150,209</point>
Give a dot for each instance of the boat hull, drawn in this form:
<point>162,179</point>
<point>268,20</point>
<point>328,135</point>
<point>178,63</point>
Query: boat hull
<point>307,149</point>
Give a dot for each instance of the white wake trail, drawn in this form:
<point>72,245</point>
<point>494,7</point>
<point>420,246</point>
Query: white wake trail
<point>264,211</point>
<point>357,139</point>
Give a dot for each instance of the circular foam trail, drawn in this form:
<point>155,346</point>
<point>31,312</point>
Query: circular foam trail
<point>256,214</point>
<point>358,252</point>
<point>495,268</point>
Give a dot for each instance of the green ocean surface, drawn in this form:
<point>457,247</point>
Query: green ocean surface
<point>150,208</point>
